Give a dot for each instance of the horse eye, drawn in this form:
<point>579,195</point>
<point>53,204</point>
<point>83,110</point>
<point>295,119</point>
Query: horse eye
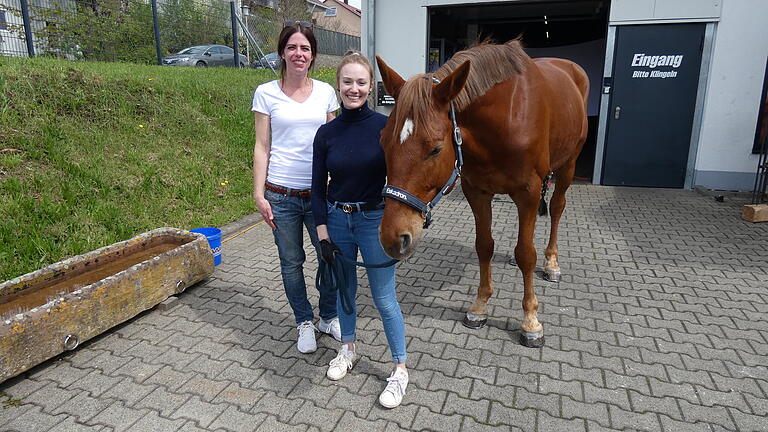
<point>434,152</point>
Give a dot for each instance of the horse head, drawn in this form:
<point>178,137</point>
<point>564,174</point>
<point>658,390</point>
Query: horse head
<point>418,146</point>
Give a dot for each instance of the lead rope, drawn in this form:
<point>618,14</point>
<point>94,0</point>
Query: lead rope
<point>335,277</point>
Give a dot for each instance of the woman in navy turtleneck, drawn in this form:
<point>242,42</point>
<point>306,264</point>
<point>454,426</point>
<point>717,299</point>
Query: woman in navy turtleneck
<point>348,210</point>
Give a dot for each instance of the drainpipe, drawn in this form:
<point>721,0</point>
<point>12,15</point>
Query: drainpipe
<point>370,43</point>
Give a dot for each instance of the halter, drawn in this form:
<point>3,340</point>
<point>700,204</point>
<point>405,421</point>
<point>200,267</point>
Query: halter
<point>408,198</point>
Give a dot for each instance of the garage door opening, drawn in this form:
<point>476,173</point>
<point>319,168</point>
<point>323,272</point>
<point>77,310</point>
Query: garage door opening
<point>572,29</point>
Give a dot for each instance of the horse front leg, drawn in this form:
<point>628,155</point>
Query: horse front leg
<point>532,334</point>
<point>480,202</point>
<point>564,178</point>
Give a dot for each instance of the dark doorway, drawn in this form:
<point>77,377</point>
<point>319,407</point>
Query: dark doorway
<point>655,81</point>
<point>571,29</point>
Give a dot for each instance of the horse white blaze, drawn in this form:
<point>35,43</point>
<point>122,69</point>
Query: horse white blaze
<point>407,130</point>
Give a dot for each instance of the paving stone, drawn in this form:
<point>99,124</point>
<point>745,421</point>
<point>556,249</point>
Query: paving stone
<point>477,409</point>
<point>547,422</point>
<point>663,405</point>
<point>682,390</point>
<point>70,424</point>
<point>670,424</point>
<point>621,419</point>
<point>199,411</point>
<point>322,417</point>
<point>280,407</point>
<point>11,412</point>
<point>83,407</point>
<point>747,422</point>
<point>162,401</point>
<point>235,420</point>
<point>469,424</point>
<point>596,412</point>
<point>569,388</point>
<point>271,424</point>
<point>51,397</point>
<point>714,415</point>
<point>118,417</point>
<point>128,391</point>
<point>430,421</point>
<point>33,420</point>
<point>541,402</point>
<point>137,370</point>
<point>502,414</point>
<point>152,422</point>
<point>169,378</point>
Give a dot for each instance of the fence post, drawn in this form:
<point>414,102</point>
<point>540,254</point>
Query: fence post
<point>27,28</point>
<point>156,25</point>
<point>235,44</point>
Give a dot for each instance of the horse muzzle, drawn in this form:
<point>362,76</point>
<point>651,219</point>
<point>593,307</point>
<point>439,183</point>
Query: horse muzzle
<point>400,234</point>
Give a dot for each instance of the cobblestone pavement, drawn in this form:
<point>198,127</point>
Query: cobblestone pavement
<point>659,324</point>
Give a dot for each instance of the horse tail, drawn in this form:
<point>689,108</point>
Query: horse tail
<point>543,202</point>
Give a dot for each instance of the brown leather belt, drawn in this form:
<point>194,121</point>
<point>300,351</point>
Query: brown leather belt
<point>301,193</point>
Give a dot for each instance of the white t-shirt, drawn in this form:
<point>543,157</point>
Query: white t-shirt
<point>293,126</point>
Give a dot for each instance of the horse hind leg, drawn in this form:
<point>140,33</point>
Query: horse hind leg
<point>480,202</point>
<point>564,178</point>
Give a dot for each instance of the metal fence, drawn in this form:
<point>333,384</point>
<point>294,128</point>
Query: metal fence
<point>142,31</point>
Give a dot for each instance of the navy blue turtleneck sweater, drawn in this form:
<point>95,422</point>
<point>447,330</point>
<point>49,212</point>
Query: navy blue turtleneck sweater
<point>347,148</point>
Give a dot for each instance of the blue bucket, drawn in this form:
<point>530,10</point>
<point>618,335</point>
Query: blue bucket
<point>214,241</point>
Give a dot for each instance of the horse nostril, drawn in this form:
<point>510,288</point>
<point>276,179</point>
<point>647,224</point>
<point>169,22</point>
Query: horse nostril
<point>405,241</point>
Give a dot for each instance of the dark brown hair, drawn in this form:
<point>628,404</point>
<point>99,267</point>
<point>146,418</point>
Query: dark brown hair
<point>286,33</point>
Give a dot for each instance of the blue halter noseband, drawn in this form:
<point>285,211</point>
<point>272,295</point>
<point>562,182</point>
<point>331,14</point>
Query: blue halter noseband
<point>408,198</point>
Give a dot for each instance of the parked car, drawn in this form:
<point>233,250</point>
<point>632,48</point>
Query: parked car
<point>204,55</point>
<point>271,59</point>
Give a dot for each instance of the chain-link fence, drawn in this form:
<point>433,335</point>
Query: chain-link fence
<point>143,31</point>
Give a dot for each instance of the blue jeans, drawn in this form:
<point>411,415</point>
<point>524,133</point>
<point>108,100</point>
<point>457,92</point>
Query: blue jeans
<point>360,231</point>
<point>290,214</point>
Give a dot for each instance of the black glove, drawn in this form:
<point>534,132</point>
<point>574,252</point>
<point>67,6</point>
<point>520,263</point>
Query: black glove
<point>328,249</point>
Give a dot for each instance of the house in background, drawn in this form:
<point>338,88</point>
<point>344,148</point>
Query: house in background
<point>338,16</point>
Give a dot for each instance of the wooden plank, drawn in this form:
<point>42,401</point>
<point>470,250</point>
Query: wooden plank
<point>755,213</point>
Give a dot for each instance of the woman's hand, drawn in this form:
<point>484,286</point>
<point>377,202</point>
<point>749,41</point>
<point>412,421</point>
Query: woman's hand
<point>266,210</point>
<point>328,251</point>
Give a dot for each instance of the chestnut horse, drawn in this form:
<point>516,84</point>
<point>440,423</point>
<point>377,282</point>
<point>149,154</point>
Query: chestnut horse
<point>519,119</point>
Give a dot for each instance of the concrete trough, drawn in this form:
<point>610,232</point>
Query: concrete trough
<point>54,309</point>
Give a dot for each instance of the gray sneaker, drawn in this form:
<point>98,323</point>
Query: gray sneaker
<point>396,385</point>
<point>331,327</point>
<point>306,343</point>
<point>342,363</point>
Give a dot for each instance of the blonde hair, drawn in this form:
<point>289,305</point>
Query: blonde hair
<point>353,56</point>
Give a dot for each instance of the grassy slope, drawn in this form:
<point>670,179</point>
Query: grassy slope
<point>94,153</point>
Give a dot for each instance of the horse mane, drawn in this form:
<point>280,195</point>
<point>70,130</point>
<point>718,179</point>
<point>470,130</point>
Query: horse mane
<point>490,64</point>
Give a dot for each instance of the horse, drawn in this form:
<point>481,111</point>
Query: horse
<point>504,123</point>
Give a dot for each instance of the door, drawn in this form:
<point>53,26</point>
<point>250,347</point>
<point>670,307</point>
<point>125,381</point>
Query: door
<point>655,81</point>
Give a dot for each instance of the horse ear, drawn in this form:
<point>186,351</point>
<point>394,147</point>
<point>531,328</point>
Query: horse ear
<point>450,87</point>
<point>392,81</point>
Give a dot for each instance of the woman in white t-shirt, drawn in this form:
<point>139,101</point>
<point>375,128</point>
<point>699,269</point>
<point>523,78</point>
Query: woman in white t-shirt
<point>290,110</point>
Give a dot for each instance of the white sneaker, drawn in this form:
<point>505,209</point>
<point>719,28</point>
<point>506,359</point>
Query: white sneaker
<point>396,385</point>
<point>342,363</point>
<point>306,343</point>
<point>331,327</point>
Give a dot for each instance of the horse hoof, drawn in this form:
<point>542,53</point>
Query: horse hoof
<point>551,275</point>
<point>474,321</point>
<point>532,340</point>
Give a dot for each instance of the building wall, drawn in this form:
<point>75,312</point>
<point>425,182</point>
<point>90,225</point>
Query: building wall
<point>724,160</point>
<point>345,20</point>
<point>734,83</point>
